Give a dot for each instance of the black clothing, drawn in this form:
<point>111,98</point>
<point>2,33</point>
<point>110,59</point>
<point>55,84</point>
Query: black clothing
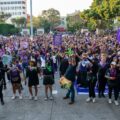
<point>48,73</point>
<point>116,92</point>
<point>92,77</point>
<point>91,85</point>
<point>3,70</point>
<point>70,73</point>
<point>1,87</point>
<point>32,74</point>
<point>63,66</point>
<point>112,84</point>
<point>101,78</point>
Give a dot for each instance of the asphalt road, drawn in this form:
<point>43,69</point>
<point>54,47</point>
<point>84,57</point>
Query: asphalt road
<point>57,109</point>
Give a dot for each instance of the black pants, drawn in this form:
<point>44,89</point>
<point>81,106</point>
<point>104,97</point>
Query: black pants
<point>101,85</point>
<point>4,81</point>
<point>91,85</point>
<point>1,94</point>
<point>116,91</point>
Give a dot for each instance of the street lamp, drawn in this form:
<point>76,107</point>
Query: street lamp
<point>31,22</point>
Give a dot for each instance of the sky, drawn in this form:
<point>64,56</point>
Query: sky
<point>63,6</point>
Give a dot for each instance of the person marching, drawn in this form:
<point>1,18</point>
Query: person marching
<point>111,75</point>
<point>15,79</point>
<point>1,88</point>
<point>3,70</point>
<point>82,70</point>
<point>33,80</point>
<point>70,75</point>
<point>92,79</point>
<point>48,80</point>
<point>103,66</point>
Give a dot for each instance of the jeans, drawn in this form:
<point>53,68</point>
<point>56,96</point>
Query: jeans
<point>71,92</point>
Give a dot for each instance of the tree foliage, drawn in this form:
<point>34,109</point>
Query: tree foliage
<point>19,22</point>
<point>4,17</point>
<point>101,14</point>
<point>8,29</point>
<point>51,17</point>
<point>74,22</point>
<point>36,22</point>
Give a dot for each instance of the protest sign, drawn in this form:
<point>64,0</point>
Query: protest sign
<point>118,35</point>
<point>6,59</point>
<point>57,40</point>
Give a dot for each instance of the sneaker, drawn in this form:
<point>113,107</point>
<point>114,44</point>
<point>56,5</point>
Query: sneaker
<point>109,101</point>
<point>46,98</point>
<point>13,97</point>
<point>20,97</point>
<point>70,103</point>
<point>51,98</point>
<point>2,103</point>
<point>88,99</point>
<point>30,97</point>
<point>65,98</point>
<point>93,100</point>
<point>116,103</point>
<point>36,98</point>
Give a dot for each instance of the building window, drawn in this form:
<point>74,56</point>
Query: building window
<point>1,3</point>
<point>19,2</point>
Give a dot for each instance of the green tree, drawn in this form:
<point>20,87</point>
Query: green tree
<point>74,22</point>
<point>19,22</point>
<point>52,17</point>
<point>8,29</point>
<point>102,12</point>
<point>36,22</point>
<point>4,17</point>
<point>46,25</point>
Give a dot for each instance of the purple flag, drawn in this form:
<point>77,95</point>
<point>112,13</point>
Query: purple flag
<point>118,35</point>
<point>57,39</point>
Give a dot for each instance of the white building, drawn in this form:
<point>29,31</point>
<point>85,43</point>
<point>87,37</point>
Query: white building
<point>17,8</point>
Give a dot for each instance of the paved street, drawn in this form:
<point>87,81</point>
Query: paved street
<point>57,109</point>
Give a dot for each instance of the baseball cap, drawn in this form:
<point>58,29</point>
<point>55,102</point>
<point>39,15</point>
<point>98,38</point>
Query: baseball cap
<point>113,63</point>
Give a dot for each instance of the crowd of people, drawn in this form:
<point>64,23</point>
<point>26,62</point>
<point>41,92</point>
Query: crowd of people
<point>87,60</point>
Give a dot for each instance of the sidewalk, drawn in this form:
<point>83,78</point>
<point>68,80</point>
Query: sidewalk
<point>58,109</point>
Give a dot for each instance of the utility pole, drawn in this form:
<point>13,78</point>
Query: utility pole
<point>31,20</point>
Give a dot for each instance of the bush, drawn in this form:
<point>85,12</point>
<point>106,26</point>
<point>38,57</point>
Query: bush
<point>8,29</point>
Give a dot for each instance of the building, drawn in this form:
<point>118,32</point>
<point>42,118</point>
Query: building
<point>63,25</point>
<point>16,8</point>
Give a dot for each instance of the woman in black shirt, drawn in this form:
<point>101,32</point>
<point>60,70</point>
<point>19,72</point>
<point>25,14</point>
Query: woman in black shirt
<point>48,80</point>
<point>33,80</point>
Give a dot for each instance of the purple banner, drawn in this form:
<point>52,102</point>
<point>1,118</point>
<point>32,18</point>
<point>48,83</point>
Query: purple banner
<point>57,39</point>
<point>118,35</point>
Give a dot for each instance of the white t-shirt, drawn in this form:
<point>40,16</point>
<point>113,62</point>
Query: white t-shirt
<point>42,62</point>
<point>54,59</point>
